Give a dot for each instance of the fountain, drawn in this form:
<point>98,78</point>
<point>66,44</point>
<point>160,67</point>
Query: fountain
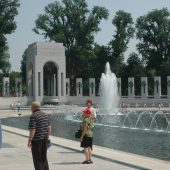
<point>155,121</point>
<point>109,90</point>
<point>109,115</point>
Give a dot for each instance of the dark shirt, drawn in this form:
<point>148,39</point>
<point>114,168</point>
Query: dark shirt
<point>40,122</point>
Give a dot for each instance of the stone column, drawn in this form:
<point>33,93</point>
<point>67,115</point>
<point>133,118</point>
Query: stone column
<point>52,85</point>
<point>157,87</point>
<point>54,91</point>
<point>29,79</point>
<point>42,82</point>
<point>48,86</point>
<point>32,92</point>
<point>79,85</point>
<point>168,87</point>
<point>67,86</point>
<point>62,84</point>
<point>59,83</point>
<point>92,85</point>
<point>131,92</point>
<point>119,86</point>
<point>144,87</point>
<point>18,87</point>
<point>5,87</point>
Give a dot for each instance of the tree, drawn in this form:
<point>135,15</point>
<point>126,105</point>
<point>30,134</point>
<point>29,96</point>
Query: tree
<point>133,68</point>
<point>13,75</point>
<point>8,11</point>
<point>4,60</point>
<point>153,31</point>
<point>73,24</point>
<point>165,68</point>
<point>164,71</point>
<point>124,32</point>
<point>150,73</point>
<point>134,65</point>
<point>102,55</point>
<point>23,68</point>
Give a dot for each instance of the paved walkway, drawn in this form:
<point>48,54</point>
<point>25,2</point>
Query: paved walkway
<point>67,155</point>
<point>16,156</point>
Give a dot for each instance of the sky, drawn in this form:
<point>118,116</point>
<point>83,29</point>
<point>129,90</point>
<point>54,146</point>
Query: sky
<point>30,9</point>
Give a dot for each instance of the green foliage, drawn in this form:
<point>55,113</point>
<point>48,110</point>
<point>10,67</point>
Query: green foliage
<point>133,68</point>
<point>12,76</point>
<point>24,89</point>
<point>4,57</point>
<point>1,76</point>
<point>85,87</point>
<point>150,73</point>
<point>134,65</point>
<point>8,10</point>
<point>102,55</point>
<point>23,68</point>
<point>124,32</point>
<point>164,71</point>
<point>153,31</point>
<point>73,24</point>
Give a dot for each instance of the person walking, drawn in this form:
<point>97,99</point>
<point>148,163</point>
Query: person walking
<point>18,106</point>
<point>86,139</point>
<point>40,129</point>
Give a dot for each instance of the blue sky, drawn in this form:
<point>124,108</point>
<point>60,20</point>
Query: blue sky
<point>29,10</point>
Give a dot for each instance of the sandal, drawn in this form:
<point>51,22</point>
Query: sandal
<point>85,162</point>
<point>90,161</point>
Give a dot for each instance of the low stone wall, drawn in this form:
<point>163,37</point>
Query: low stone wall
<point>132,102</point>
<point>5,102</point>
<point>146,102</point>
<point>79,100</point>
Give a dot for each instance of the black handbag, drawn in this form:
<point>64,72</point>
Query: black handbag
<point>78,134</point>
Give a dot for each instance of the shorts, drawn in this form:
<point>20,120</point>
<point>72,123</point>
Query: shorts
<point>87,142</point>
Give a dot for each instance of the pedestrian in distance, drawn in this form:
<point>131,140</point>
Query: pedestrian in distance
<point>18,106</point>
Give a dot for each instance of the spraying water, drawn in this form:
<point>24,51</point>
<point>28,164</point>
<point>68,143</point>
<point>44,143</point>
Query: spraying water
<point>109,90</point>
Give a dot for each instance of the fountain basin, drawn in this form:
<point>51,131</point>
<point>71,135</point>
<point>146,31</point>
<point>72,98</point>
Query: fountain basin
<point>140,141</point>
